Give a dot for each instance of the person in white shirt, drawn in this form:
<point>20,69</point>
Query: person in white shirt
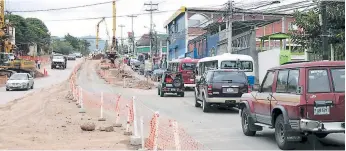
<point>39,64</point>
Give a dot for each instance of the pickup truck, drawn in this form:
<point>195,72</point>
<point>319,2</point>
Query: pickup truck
<point>58,61</point>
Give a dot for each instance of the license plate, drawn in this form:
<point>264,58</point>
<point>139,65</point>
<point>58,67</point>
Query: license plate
<point>169,85</point>
<point>230,90</point>
<point>230,101</point>
<point>173,89</point>
<point>323,110</point>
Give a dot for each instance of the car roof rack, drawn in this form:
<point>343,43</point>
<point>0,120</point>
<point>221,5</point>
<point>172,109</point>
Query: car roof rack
<point>292,62</point>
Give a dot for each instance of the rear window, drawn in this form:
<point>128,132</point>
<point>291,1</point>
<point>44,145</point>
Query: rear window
<point>338,76</point>
<point>224,76</point>
<point>318,81</point>
<point>243,65</point>
<point>188,66</point>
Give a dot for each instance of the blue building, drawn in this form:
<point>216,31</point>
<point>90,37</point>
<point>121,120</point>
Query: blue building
<point>187,24</point>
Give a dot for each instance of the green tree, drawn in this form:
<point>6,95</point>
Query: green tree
<point>73,41</point>
<point>63,47</point>
<point>309,36</point>
<point>29,31</point>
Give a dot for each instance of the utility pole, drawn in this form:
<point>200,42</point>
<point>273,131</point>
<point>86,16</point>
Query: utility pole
<point>323,22</point>
<point>121,37</point>
<point>151,4</point>
<point>230,26</point>
<point>133,34</point>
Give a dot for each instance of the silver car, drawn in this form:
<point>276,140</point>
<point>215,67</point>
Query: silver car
<point>20,81</point>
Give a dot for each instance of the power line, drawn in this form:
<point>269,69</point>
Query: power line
<point>93,18</point>
<point>57,9</point>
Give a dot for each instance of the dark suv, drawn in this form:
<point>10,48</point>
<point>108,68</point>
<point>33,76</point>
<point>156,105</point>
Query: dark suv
<point>297,100</point>
<point>171,82</point>
<point>221,87</point>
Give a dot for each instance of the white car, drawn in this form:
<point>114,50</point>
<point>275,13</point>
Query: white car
<point>20,81</point>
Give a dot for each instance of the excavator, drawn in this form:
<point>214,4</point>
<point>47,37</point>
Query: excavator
<point>8,63</point>
<point>112,54</point>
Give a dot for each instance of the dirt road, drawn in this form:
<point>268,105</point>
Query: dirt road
<point>45,119</point>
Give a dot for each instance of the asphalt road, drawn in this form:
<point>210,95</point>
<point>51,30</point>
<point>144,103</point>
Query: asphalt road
<point>217,130</point>
<point>55,76</point>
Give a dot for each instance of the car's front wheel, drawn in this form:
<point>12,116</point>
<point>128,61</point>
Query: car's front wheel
<point>32,87</point>
<point>246,123</point>
<point>28,86</point>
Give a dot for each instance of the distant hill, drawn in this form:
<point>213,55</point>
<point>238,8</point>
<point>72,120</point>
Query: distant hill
<point>92,41</point>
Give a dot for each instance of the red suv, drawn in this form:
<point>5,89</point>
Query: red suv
<point>296,100</point>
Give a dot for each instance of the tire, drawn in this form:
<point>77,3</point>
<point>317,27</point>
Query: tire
<point>205,106</point>
<point>32,87</point>
<point>7,89</point>
<point>321,135</point>
<point>281,134</point>
<point>181,94</point>
<point>162,94</point>
<point>246,123</point>
<point>196,100</point>
<point>52,67</point>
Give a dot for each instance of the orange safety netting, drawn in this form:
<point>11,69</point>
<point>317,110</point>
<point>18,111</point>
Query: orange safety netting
<point>162,133</point>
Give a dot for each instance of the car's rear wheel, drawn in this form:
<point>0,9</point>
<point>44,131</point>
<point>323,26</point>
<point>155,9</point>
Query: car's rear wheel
<point>7,89</point>
<point>196,100</point>
<point>281,134</point>
<point>162,94</point>
<point>205,106</point>
<point>246,122</point>
<point>181,94</point>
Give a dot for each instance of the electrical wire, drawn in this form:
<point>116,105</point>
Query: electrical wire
<point>58,9</point>
<point>118,16</point>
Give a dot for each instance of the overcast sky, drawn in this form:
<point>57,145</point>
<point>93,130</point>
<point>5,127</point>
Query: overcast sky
<point>88,27</point>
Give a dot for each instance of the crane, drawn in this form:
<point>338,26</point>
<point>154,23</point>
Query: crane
<point>97,31</point>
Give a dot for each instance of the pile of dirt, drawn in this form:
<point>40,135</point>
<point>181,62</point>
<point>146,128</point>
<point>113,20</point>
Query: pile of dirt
<point>98,57</point>
<point>45,120</point>
<point>38,74</point>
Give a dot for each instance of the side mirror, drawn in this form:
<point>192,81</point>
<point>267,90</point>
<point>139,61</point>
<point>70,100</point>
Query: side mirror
<point>256,87</point>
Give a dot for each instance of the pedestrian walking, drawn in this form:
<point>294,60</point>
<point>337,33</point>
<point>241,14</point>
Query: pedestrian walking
<point>39,64</point>
<point>36,63</point>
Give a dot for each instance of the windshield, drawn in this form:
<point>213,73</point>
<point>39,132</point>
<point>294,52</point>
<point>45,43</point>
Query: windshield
<point>58,57</point>
<point>188,66</point>
<point>243,65</point>
<point>338,79</point>
<point>19,77</point>
<point>236,77</point>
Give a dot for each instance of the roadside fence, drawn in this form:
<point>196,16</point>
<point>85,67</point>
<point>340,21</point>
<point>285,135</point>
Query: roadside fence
<point>148,129</point>
<point>44,59</point>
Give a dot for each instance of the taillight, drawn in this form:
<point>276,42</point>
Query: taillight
<point>210,90</point>
<point>249,89</point>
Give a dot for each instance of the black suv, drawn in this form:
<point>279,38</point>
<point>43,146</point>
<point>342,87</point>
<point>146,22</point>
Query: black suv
<point>171,82</point>
<point>220,87</point>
